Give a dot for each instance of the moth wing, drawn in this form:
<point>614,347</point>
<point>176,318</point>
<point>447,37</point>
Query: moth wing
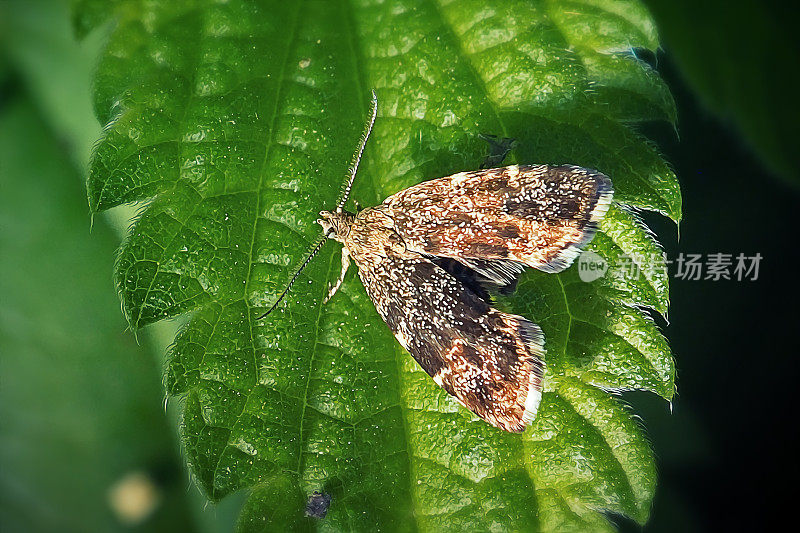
<point>498,271</point>
<point>492,362</point>
<point>497,219</point>
<point>479,275</point>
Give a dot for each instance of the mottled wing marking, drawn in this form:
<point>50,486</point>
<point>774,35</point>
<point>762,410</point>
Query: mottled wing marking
<point>474,281</point>
<point>537,215</point>
<point>491,361</point>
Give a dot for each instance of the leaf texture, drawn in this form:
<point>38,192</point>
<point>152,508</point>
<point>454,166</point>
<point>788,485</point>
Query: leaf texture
<point>235,121</point>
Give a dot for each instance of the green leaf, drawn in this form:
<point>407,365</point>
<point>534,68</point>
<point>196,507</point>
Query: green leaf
<point>236,121</point>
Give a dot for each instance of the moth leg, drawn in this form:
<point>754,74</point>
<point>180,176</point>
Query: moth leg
<point>499,147</point>
<point>345,266</point>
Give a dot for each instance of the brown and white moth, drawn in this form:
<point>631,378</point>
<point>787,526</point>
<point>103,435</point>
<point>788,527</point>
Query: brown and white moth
<point>429,255</point>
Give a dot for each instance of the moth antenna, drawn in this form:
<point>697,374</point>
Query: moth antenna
<point>357,155</point>
<point>309,256</point>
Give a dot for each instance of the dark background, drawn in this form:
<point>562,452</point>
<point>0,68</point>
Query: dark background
<point>726,453</point>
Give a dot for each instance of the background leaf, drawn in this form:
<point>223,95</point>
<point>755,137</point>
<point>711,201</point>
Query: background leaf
<point>72,412</point>
<point>736,84</point>
<point>237,120</point>
<point>79,400</point>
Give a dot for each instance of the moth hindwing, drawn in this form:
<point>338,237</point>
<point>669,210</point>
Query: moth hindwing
<point>429,255</point>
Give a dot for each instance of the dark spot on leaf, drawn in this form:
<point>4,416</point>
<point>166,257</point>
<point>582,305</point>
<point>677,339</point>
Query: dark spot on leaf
<point>318,504</point>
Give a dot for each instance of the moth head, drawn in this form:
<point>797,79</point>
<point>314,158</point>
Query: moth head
<point>336,224</point>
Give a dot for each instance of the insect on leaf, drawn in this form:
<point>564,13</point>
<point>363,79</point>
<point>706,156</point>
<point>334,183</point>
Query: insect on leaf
<point>236,122</point>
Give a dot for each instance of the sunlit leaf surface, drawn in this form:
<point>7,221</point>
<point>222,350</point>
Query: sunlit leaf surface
<point>236,121</point>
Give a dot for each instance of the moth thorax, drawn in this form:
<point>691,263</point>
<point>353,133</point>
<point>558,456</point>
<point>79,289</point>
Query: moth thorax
<point>336,225</point>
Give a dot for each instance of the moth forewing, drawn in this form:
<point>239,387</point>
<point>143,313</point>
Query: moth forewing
<point>535,215</point>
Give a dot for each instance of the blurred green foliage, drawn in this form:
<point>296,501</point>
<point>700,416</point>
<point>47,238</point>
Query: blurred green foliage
<point>38,43</point>
<point>741,59</point>
<point>79,402</point>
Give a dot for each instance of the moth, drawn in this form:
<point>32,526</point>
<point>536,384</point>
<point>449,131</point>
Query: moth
<point>431,255</point>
